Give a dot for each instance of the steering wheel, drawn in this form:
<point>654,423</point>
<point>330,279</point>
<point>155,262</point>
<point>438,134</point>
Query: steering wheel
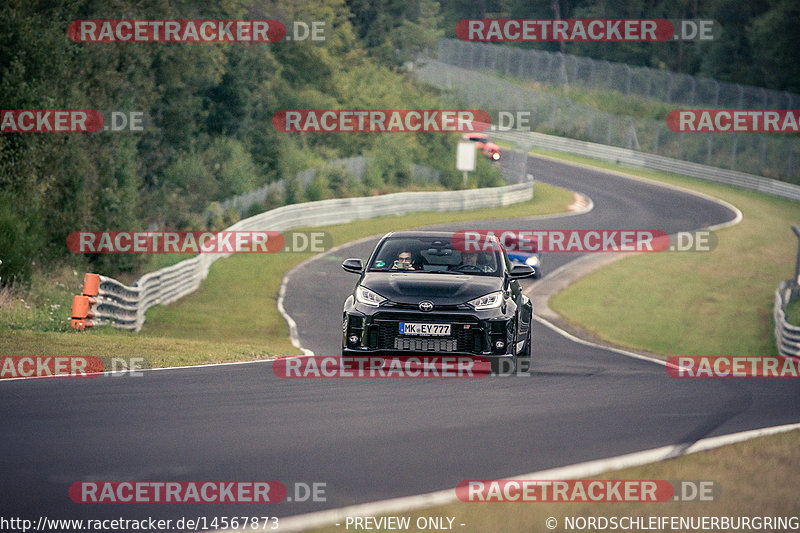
<point>472,268</point>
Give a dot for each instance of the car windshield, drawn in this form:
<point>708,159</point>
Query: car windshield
<point>433,254</point>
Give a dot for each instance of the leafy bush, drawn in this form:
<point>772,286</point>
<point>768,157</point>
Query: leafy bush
<point>341,183</point>
<point>318,188</point>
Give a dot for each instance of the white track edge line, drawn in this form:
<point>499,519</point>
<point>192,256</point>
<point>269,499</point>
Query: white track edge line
<point>591,344</point>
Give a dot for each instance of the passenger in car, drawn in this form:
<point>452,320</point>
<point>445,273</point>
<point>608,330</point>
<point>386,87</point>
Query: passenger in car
<point>404,262</point>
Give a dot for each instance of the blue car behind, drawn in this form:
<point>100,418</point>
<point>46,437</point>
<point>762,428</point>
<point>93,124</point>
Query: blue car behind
<point>532,259</point>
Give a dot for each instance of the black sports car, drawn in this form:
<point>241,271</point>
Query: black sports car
<point>420,292</point>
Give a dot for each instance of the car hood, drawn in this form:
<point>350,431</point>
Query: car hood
<point>442,289</point>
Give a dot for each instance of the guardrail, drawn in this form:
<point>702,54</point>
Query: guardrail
<point>529,139</point>
<point>114,303</point>
<point>787,336</point>
<point>355,166</point>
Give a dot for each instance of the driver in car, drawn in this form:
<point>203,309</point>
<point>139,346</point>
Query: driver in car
<point>470,259</point>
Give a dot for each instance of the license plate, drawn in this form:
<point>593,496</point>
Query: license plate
<point>415,328</point>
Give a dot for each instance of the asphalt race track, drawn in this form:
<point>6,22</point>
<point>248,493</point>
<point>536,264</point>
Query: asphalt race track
<point>367,439</point>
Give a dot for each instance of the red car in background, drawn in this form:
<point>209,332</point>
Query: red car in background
<point>489,149</point>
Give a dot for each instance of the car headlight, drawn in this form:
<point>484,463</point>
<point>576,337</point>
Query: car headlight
<point>492,300</point>
<point>368,297</point>
<point>532,261</point>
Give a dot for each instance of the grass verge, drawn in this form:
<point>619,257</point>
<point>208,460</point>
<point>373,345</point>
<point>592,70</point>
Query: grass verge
<point>233,317</point>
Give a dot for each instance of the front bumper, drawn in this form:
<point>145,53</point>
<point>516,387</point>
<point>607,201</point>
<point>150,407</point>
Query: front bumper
<point>488,334</point>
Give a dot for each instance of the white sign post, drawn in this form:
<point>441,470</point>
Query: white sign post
<point>465,158</point>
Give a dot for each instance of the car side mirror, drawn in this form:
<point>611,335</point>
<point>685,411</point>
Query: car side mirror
<point>353,265</point>
<point>521,272</point>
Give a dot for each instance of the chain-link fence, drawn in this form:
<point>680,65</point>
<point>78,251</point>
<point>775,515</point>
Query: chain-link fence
<point>462,73</point>
<point>555,68</point>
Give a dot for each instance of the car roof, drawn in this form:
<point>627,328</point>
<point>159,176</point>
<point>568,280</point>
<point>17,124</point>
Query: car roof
<point>413,234</point>
<point>448,235</point>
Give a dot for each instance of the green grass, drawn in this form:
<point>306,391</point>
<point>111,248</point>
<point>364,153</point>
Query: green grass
<point>713,303</point>
<point>608,101</point>
<point>43,305</point>
<point>738,470</point>
<point>233,317</point>
<point>612,102</point>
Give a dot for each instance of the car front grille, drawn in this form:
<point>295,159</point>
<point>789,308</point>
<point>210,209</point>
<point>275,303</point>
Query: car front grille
<point>465,336</point>
<point>417,344</point>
